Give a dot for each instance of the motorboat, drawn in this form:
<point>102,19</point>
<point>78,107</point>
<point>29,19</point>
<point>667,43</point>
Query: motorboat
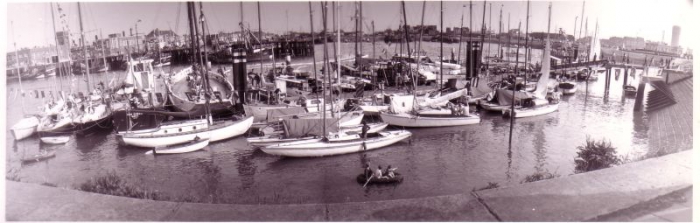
<point>25,127</point>
<point>567,87</point>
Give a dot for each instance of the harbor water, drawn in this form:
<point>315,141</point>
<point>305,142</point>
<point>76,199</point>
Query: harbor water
<point>435,161</point>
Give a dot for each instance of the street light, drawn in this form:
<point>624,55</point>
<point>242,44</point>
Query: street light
<point>137,35</point>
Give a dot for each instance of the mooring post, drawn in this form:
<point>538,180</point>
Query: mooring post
<point>624,79</point>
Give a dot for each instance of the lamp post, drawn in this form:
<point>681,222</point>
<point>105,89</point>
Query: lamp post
<point>136,28</point>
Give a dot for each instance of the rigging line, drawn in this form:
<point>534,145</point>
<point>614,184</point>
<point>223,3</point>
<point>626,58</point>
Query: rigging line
<point>177,18</point>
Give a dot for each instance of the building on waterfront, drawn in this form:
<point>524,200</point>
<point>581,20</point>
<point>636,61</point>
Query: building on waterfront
<point>28,57</point>
<point>675,36</point>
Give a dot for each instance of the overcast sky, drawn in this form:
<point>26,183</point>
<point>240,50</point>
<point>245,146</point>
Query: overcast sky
<point>644,18</point>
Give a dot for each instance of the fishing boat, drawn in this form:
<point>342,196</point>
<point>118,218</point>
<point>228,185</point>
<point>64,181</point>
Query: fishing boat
<point>194,145</point>
<point>501,99</point>
<point>330,147</point>
<point>58,124</point>
<point>25,127</point>
<point>44,155</point>
<point>55,140</point>
<point>95,118</point>
<point>185,94</point>
<point>567,87</point>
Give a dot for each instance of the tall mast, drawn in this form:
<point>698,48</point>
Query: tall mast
<point>442,39</point>
<point>420,37</point>
<point>483,32</point>
<point>205,69</point>
<point>527,24</point>
<point>337,44</point>
<point>488,51</point>
<point>471,60</point>
<point>104,57</point>
<point>581,26</point>
<point>408,45</point>
<point>313,44</point>
<point>361,28</point>
<point>500,31</point>
<point>461,33</point>
<point>508,44</point>
<point>512,105</point>
<point>326,68</point>
<point>196,35</point>
<point>82,42</point>
<point>21,89</point>
<point>260,36</point>
<point>193,39</point>
<point>58,54</point>
<point>357,32</point>
<point>374,56</point>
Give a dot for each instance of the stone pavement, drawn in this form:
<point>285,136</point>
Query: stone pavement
<point>609,194</point>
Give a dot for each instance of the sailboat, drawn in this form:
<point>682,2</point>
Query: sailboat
<point>183,132</point>
<point>328,146</point>
<point>28,125</point>
<point>539,104</point>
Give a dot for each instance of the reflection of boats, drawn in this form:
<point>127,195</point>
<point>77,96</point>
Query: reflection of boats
<point>331,147</point>
<point>567,87</point>
<point>44,155</point>
<point>192,146</point>
<point>55,140</point>
<point>630,90</point>
<point>25,127</point>
<point>396,179</point>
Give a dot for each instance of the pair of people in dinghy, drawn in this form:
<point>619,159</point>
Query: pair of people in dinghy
<point>387,174</point>
<point>458,109</point>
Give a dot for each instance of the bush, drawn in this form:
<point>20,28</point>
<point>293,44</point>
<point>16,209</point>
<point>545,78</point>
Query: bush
<point>111,184</point>
<point>596,155</point>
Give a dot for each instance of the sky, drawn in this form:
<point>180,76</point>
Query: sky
<point>29,24</point>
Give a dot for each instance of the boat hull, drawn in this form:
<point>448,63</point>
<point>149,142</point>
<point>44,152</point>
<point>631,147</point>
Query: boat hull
<point>177,149</point>
<point>279,139</point>
<point>373,109</point>
<point>25,128</point>
<point>55,140</point>
<point>318,149</point>
<point>230,129</point>
<point>408,120</point>
<point>536,111</point>
<point>166,135</point>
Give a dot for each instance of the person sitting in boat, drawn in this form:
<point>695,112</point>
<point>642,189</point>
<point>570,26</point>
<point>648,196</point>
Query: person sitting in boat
<point>301,101</point>
<point>465,110</point>
<point>390,172</point>
<point>368,171</point>
<point>378,172</point>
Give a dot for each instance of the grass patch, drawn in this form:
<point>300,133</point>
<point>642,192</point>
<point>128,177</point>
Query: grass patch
<point>12,174</point>
<point>112,184</point>
<point>595,155</point>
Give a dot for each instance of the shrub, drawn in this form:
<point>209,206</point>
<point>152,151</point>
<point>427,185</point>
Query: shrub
<point>595,155</point>
<point>112,184</point>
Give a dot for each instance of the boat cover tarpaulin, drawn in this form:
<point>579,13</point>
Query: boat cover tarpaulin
<point>305,127</point>
<point>401,103</point>
<point>505,97</point>
<point>481,89</point>
<point>274,115</point>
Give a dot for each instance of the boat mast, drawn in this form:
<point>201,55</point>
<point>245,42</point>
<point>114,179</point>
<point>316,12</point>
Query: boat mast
<point>260,35</point>
<point>488,50</point>
<point>104,58</point>
<point>357,33</point>
<point>21,89</point>
<point>483,34</point>
<point>205,69</point>
<point>461,34</point>
<point>408,48</point>
<point>58,56</point>
<point>324,14</point>
<point>336,27</point>
<point>82,42</point>
<point>420,36</point>
<point>527,55</point>
<point>442,39</point>
<point>313,44</point>
<point>500,31</point>
<point>512,104</point>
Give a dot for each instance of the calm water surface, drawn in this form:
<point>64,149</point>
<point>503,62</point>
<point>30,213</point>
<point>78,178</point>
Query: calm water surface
<point>437,161</point>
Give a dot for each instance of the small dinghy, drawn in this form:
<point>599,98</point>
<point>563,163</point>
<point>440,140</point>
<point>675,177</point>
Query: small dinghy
<point>55,140</point>
<point>396,179</point>
<point>192,146</point>
<point>567,88</point>
<point>25,127</point>
<point>39,157</point>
